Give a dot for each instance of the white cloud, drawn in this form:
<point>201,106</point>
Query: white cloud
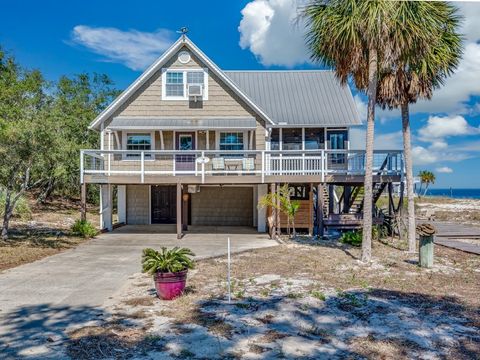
<point>439,127</point>
<point>133,48</point>
<point>458,88</point>
<point>444,170</point>
<point>361,107</point>
<point>471,13</point>
<point>386,141</point>
<point>268,29</point>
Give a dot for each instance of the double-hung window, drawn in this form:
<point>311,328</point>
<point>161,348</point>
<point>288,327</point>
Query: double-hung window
<point>231,141</point>
<point>176,83</point>
<point>138,142</point>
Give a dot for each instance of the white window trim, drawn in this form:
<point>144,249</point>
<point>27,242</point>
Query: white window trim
<point>184,71</point>
<point>124,144</point>
<point>245,141</point>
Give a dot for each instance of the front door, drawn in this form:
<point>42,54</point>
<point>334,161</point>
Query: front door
<point>164,204</point>
<point>185,141</point>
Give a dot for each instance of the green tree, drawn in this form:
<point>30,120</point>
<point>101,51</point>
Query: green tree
<point>427,178</point>
<point>354,38</point>
<point>282,202</point>
<point>427,33</point>
<point>25,132</point>
<point>76,101</point>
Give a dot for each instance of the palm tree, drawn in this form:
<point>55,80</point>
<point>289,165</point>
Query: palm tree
<point>282,202</point>
<point>427,178</point>
<point>353,38</point>
<point>426,33</point>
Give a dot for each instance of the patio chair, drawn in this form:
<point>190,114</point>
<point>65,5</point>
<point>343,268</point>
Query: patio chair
<point>248,164</point>
<point>218,164</point>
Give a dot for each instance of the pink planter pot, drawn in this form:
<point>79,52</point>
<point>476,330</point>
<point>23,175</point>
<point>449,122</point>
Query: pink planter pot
<point>170,285</point>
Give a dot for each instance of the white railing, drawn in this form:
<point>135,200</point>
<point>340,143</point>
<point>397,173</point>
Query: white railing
<point>203,163</point>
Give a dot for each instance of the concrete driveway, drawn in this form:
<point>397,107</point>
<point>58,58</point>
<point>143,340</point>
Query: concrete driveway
<point>69,288</point>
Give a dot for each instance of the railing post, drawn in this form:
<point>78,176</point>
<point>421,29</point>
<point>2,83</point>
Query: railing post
<point>109,168</point>
<point>81,166</point>
<point>203,167</point>
<point>263,166</point>
<point>303,162</point>
<point>142,167</point>
<point>323,166</point>
<point>173,162</point>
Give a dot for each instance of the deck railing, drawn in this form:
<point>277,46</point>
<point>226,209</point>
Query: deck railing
<point>203,163</point>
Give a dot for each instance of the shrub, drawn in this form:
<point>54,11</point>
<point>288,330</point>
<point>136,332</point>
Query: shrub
<point>22,208</point>
<point>355,237</point>
<point>84,229</point>
<point>167,260</point>
<point>352,237</point>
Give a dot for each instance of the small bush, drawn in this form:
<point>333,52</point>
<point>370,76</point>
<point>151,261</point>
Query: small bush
<point>353,238</point>
<point>22,208</point>
<point>84,229</point>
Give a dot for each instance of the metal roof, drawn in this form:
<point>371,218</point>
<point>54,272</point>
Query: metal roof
<point>169,123</point>
<point>296,98</point>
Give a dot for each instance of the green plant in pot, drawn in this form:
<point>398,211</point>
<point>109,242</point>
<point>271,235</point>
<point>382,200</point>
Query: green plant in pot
<point>169,268</point>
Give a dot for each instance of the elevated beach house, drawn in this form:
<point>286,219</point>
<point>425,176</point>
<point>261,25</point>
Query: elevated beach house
<point>190,144</point>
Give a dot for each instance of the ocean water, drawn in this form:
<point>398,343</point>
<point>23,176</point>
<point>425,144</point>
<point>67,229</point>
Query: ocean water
<point>455,193</point>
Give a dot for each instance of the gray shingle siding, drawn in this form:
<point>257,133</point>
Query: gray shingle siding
<point>296,98</point>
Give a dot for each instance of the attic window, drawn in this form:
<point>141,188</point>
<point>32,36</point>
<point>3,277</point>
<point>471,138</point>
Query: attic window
<point>176,81</point>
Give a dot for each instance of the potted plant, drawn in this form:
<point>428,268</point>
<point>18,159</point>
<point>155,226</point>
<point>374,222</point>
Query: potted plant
<point>169,268</point>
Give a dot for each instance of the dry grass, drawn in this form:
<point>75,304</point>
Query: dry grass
<point>451,287</point>
<point>45,234</point>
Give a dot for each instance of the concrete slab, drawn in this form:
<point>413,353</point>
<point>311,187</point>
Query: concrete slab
<point>66,289</point>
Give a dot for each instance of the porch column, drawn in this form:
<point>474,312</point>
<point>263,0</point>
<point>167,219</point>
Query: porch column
<point>185,196</point>
<point>310,210</point>
<point>179,211</point>
<point>273,215</point>
<point>261,211</point>
<point>320,225</point>
<point>346,198</point>
<point>106,207</point>
<point>277,213</point>
<point>122,203</point>
<point>83,202</point>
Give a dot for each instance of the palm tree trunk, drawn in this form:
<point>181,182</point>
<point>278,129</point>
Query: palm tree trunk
<point>407,151</point>
<point>426,189</point>
<point>368,184</point>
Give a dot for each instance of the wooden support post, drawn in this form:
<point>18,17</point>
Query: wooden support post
<point>179,211</point>
<point>331,203</point>
<point>185,197</point>
<point>426,233</point>
<point>390,199</point>
<point>320,227</point>
<point>272,216</point>
<point>279,225</point>
<point>310,210</point>
<point>83,202</point>
<point>346,198</point>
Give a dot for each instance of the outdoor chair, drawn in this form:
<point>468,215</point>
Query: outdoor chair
<point>218,164</point>
<point>248,164</point>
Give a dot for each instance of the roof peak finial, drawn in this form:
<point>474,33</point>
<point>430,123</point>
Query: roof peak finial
<point>183,30</point>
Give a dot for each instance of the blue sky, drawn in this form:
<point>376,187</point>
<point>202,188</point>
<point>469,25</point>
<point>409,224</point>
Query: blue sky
<point>120,40</point>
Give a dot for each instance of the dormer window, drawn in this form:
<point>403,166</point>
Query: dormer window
<point>176,81</point>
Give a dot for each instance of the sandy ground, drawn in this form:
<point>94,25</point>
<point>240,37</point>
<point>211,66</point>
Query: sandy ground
<point>45,233</point>
<point>455,210</point>
<point>300,300</point>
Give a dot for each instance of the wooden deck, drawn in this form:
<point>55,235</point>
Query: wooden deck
<point>458,236</point>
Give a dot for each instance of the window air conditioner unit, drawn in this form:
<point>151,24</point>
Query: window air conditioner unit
<point>195,90</point>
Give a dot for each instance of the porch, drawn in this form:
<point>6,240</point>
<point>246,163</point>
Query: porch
<point>249,167</point>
